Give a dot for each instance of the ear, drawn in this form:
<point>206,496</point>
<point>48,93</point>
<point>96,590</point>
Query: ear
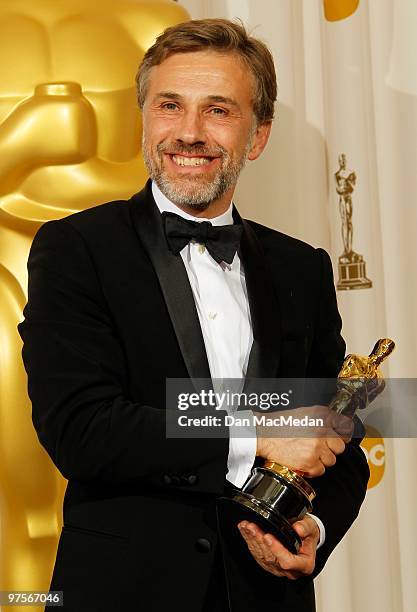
<point>260,139</point>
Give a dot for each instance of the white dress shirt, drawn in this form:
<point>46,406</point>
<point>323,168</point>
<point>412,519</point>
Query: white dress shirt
<point>222,305</point>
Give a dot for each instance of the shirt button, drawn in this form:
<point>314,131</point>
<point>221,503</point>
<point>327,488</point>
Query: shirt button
<point>201,248</point>
<point>212,315</point>
<point>203,545</point>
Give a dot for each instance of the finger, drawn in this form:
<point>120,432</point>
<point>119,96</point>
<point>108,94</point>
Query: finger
<point>317,470</point>
<point>307,527</point>
<point>262,555</point>
<point>373,393</point>
<point>252,540</point>
<point>343,426</point>
<point>336,445</point>
<point>277,560</point>
<point>254,537</point>
<point>283,557</point>
<point>263,549</point>
<point>346,438</point>
<point>274,557</point>
<point>302,563</point>
<point>327,457</point>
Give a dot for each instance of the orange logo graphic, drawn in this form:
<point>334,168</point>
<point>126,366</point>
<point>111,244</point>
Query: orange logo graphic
<point>374,448</point>
<point>339,9</point>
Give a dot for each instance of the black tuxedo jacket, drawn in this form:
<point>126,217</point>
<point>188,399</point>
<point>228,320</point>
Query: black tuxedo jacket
<point>110,316</point>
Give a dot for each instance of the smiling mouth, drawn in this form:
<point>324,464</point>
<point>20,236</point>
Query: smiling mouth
<point>182,160</point>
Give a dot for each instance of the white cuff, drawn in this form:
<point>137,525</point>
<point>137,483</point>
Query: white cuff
<point>242,450</point>
<point>321,528</point>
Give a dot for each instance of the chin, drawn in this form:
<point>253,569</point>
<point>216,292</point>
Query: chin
<point>192,196</point>
<point>188,186</point>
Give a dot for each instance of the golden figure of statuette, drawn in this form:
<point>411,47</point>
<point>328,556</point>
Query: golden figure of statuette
<point>352,266</point>
<point>70,136</point>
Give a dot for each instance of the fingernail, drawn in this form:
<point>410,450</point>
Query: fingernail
<point>268,540</point>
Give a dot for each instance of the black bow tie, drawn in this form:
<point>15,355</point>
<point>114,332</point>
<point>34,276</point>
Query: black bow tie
<point>221,241</point>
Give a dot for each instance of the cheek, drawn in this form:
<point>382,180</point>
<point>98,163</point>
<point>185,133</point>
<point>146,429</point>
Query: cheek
<point>155,131</point>
<point>233,143</point>
<point>234,137</point>
<point>240,148</point>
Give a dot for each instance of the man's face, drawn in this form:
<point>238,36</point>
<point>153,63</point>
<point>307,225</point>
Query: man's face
<point>199,127</point>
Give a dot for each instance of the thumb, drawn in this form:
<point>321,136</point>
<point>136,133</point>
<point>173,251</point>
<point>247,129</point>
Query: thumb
<point>306,527</point>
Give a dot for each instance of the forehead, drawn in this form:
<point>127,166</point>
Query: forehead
<point>205,72</point>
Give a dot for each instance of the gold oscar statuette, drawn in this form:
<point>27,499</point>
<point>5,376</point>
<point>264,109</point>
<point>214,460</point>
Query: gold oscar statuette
<point>276,496</point>
<point>352,266</point>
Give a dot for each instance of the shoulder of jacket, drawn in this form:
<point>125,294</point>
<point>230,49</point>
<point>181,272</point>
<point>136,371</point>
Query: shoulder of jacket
<point>274,239</point>
<point>105,212</point>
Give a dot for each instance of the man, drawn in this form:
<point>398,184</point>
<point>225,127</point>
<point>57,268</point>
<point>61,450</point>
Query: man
<point>128,294</point>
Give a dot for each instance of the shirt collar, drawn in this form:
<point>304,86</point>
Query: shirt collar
<point>165,205</point>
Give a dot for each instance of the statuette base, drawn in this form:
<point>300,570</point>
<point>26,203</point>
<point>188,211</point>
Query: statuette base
<point>352,274</point>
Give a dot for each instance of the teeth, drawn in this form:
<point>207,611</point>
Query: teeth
<point>190,161</point>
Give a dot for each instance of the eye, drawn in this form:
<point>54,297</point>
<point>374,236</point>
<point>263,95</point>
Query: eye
<point>217,111</point>
<point>169,106</point>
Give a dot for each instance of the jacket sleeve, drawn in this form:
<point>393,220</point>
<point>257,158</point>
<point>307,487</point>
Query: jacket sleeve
<point>77,378</point>
<point>341,490</point>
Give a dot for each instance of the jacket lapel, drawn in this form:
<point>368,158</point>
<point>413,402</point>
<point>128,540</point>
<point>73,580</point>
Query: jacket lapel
<point>174,283</point>
<point>263,303</point>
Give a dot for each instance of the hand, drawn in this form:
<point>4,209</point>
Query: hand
<point>342,425</point>
<point>274,558</point>
<point>308,455</point>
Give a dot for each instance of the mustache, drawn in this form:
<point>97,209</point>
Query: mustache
<point>193,149</point>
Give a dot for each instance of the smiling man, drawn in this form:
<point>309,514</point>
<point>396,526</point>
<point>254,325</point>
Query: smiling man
<point>200,128</point>
<point>174,284</point>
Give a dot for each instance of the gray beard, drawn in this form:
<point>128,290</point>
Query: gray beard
<point>194,194</point>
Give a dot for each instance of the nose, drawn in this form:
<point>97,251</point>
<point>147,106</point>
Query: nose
<point>190,129</point>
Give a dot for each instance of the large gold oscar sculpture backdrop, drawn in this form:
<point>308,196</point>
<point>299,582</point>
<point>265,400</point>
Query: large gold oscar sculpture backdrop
<point>70,139</point>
